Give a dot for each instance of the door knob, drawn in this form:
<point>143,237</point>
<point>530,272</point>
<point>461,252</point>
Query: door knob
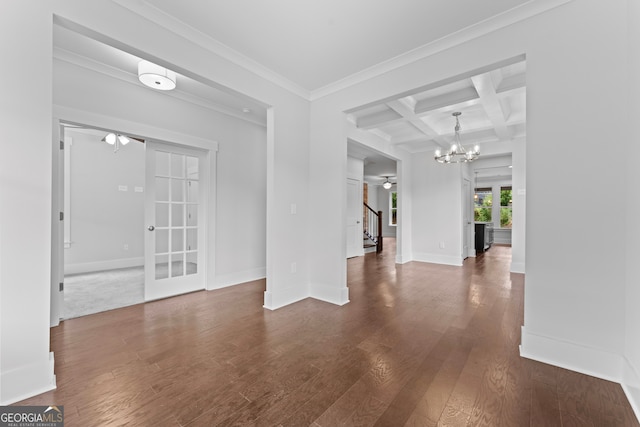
<point>151,228</point>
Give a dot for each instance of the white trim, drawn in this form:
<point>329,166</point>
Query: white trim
<point>509,17</point>
<point>132,79</point>
<point>631,386</point>
<point>284,297</point>
<point>26,381</point>
<point>438,259</point>
<point>152,14</point>
<point>240,277</point>
<point>403,259</point>
<point>330,294</point>
<point>156,133</point>
<point>517,267</point>
<point>68,143</point>
<point>590,361</point>
<point>586,360</point>
<point>112,264</point>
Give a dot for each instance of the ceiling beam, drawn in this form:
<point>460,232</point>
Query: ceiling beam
<point>462,95</point>
<point>405,108</point>
<point>485,87</point>
<point>513,82</point>
<point>376,120</point>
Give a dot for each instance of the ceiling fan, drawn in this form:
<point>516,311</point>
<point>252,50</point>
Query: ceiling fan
<point>387,184</point>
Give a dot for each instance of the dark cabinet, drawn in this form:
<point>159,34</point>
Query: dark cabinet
<point>484,236</point>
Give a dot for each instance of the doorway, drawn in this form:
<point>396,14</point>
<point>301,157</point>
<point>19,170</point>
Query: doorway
<point>108,199</point>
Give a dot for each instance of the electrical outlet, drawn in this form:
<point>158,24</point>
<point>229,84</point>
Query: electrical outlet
<point>441,245</point>
<point>294,267</point>
<point>126,247</point>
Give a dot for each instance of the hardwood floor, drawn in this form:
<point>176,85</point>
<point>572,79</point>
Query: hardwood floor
<point>418,345</point>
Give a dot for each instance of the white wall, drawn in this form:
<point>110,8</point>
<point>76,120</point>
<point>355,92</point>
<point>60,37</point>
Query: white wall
<point>567,281</point>
<point>26,366</point>
<point>577,75</point>
<point>632,293</point>
<point>576,78</point>
<point>519,194</point>
<point>437,211</point>
<point>103,218</point>
<point>240,217</point>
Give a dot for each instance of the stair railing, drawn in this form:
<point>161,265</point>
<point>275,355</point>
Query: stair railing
<point>373,226</point>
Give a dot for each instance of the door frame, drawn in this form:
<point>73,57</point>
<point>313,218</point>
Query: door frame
<point>108,123</point>
<point>359,249</point>
<point>187,281</point>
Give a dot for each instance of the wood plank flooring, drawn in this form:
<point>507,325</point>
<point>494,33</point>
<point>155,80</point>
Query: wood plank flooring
<point>418,345</point>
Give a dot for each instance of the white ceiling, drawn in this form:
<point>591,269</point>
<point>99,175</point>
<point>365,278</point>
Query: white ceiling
<point>314,44</point>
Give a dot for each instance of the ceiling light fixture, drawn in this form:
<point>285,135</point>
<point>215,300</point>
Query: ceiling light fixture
<point>116,140</point>
<point>387,184</point>
<point>155,76</point>
<point>456,153</point>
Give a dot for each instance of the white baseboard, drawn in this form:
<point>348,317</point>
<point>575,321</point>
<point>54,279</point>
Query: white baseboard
<point>331,294</point>
<point>279,298</point>
<point>403,259</point>
<point>631,386</point>
<point>438,259</point>
<point>112,264</point>
<point>27,381</point>
<point>586,360</point>
<point>575,357</point>
<point>517,267</point>
<point>231,279</point>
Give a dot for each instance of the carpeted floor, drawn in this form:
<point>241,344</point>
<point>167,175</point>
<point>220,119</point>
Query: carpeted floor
<point>89,293</point>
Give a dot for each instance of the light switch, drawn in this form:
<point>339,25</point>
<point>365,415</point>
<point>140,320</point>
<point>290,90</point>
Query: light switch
<point>123,188</point>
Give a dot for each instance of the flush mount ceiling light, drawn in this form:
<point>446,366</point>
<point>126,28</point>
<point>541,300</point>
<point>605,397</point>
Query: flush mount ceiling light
<point>456,153</point>
<point>155,76</point>
<point>116,140</point>
<point>387,184</point>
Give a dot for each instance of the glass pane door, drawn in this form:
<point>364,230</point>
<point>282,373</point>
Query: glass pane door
<point>174,211</point>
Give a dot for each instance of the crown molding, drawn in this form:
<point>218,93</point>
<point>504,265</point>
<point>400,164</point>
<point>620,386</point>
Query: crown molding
<point>520,13</point>
<point>116,73</point>
<point>509,17</point>
<point>152,14</point>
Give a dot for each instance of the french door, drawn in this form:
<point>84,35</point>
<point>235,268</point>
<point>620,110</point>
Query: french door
<point>175,214</point>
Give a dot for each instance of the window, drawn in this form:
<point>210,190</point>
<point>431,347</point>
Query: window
<point>393,208</point>
<point>505,207</point>
<point>482,204</point>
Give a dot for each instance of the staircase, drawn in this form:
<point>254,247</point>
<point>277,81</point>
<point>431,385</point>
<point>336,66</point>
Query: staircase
<point>372,228</point>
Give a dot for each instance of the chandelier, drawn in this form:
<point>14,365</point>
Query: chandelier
<point>456,153</point>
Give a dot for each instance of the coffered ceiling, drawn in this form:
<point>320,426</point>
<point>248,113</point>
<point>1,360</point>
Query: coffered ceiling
<point>492,104</point>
